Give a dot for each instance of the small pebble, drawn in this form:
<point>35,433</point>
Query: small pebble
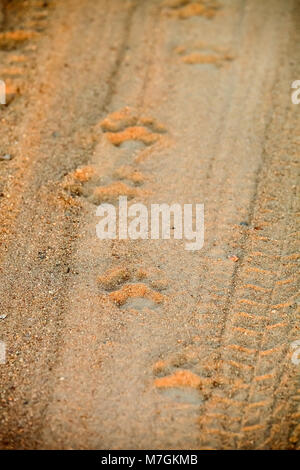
<point>41,254</point>
<point>2,317</point>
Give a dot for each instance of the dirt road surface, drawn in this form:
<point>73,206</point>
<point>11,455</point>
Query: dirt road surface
<point>142,344</point>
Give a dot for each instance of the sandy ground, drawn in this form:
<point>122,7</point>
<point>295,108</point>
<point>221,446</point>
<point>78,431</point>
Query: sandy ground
<point>140,344</point>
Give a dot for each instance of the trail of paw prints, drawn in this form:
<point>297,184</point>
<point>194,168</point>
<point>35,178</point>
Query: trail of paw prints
<point>107,185</point>
<point>134,289</point>
<point>200,53</point>
<point>184,9</point>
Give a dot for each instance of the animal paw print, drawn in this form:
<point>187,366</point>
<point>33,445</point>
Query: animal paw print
<point>178,382</point>
<point>183,376</point>
<point>98,186</point>
<point>133,179</point>
<point>125,125</point>
<point>125,287</point>
<point>88,182</point>
<point>204,54</point>
<point>184,9</point>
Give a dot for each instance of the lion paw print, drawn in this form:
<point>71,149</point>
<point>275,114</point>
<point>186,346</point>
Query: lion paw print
<point>136,289</point>
<point>201,53</point>
<point>98,185</point>
<point>88,182</point>
<point>125,125</point>
<point>184,9</point>
<point>181,385</point>
<point>183,376</point>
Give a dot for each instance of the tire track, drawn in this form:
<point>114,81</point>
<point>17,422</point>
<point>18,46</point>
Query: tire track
<point>253,436</point>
